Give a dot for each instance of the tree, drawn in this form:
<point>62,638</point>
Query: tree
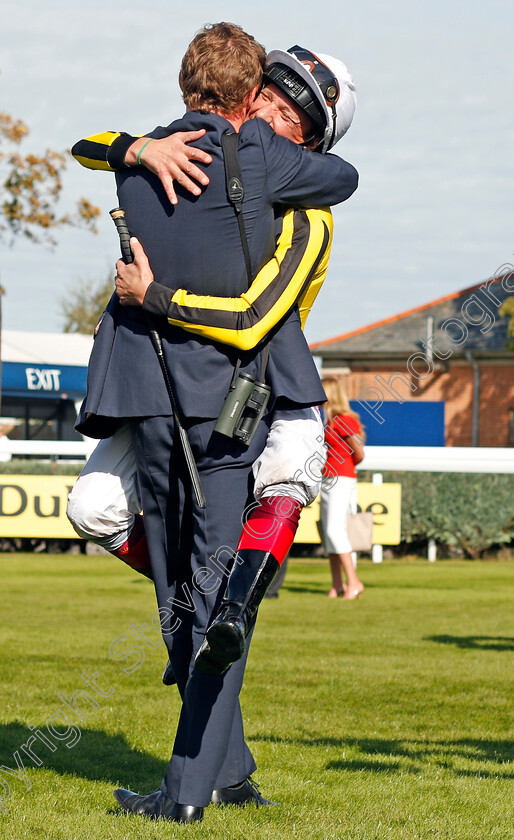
<point>30,188</point>
<point>82,309</point>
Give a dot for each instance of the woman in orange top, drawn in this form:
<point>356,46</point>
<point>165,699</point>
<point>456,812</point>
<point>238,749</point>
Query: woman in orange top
<point>344,440</point>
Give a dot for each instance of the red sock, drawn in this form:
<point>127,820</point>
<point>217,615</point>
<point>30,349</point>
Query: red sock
<point>272,526</point>
<point>134,552</point>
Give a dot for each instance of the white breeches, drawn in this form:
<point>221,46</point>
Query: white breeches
<point>105,497</point>
<point>294,455</point>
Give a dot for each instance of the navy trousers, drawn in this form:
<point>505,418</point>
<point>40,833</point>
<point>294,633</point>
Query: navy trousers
<point>192,552</point>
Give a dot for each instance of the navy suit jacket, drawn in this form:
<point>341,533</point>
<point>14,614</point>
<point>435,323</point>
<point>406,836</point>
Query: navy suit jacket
<point>196,245</point>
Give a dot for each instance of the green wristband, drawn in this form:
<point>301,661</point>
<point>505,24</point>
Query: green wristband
<point>141,149</point>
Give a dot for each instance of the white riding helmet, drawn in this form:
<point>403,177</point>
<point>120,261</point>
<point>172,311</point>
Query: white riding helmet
<point>320,84</point>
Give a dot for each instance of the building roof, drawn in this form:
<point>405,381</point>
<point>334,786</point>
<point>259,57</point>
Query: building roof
<point>474,325</point>
<point>46,348</point>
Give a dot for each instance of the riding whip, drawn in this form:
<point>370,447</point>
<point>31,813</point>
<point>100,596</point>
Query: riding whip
<point>118,217</point>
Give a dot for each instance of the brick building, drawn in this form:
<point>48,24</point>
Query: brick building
<point>453,356</point>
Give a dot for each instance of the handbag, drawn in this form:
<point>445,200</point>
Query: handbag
<point>360,531</point>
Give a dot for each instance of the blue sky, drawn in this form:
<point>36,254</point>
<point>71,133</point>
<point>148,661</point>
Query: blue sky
<point>433,136</point>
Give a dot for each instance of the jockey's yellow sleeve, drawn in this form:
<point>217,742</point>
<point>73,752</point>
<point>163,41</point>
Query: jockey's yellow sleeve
<point>94,152</point>
<point>293,276</point>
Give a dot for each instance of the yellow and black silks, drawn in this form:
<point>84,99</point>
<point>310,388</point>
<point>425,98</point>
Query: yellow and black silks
<point>92,151</point>
<point>293,276</point>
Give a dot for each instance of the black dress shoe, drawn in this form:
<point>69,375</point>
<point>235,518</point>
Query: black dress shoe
<point>186,813</point>
<point>241,794</point>
<point>157,806</point>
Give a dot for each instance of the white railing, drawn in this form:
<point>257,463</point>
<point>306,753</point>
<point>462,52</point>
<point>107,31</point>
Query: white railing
<point>480,459</point>
<point>46,448</point>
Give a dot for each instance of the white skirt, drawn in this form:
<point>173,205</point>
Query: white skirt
<point>338,499</point>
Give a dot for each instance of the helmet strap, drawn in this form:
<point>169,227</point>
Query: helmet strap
<point>310,140</point>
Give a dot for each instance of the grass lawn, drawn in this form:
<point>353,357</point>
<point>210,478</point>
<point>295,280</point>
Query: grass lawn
<point>388,717</point>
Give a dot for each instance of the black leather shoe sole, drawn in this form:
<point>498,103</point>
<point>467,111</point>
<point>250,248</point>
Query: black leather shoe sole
<point>224,644</point>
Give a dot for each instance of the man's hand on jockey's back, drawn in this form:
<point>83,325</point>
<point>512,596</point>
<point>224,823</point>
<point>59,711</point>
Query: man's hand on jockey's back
<point>132,280</point>
<point>171,159</point>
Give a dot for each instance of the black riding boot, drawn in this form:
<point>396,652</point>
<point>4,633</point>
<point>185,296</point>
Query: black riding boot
<point>225,639</point>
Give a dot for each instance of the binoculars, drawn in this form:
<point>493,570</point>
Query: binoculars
<point>243,408</point>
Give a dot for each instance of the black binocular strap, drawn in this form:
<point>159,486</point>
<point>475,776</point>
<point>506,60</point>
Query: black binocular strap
<point>235,192</point>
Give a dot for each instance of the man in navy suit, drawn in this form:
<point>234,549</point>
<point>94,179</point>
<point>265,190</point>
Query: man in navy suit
<point>196,243</point>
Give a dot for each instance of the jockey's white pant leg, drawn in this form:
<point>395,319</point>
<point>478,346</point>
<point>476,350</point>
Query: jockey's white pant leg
<point>105,498</point>
<point>291,463</point>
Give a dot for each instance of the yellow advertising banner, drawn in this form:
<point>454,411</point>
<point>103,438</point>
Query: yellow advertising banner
<point>35,506</point>
<point>382,500</point>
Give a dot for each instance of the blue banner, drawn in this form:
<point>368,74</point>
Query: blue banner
<point>20,379</point>
<point>403,424</point>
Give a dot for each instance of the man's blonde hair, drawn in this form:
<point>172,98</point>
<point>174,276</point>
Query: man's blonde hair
<point>222,65</point>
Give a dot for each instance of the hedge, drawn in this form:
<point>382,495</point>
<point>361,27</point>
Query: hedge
<point>26,466</point>
<point>470,511</point>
